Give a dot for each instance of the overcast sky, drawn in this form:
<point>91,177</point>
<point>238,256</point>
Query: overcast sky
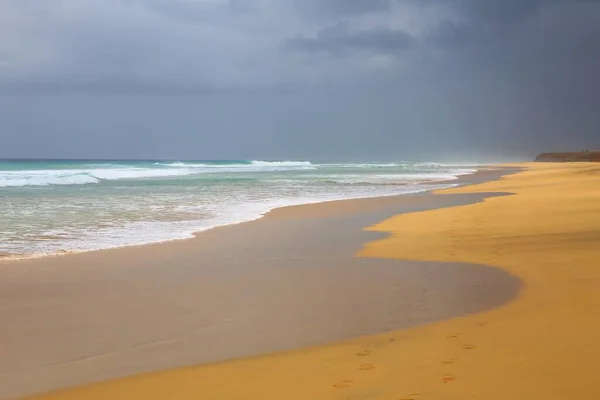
<point>298,79</point>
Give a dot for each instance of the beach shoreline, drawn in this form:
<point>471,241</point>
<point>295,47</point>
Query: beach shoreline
<point>127,288</point>
<point>482,173</point>
<point>542,345</point>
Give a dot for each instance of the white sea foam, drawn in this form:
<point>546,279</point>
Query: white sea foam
<point>394,179</point>
<point>54,220</point>
<point>81,176</point>
<point>95,175</point>
<point>404,165</point>
<point>364,165</point>
<point>146,232</point>
<point>240,165</point>
<point>287,164</point>
<point>43,178</point>
<point>179,164</point>
<point>446,165</point>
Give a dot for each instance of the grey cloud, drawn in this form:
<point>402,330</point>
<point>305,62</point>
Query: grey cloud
<point>229,42</point>
<point>479,22</point>
<point>340,40</point>
<point>493,12</point>
<point>342,8</point>
<point>501,11</point>
<point>137,41</point>
<point>422,77</point>
<point>450,34</point>
<point>210,12</point>
<point>188,10</point>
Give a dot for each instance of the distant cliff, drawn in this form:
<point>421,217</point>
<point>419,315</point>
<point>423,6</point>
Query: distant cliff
<point>579,156</point>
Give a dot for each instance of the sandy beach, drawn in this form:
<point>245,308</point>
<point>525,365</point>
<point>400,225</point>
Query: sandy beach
<point>299,200</point>
<point>545,344</point>
<point>287,281</point>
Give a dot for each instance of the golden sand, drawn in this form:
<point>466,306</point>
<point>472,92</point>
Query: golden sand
<point>544,345</point>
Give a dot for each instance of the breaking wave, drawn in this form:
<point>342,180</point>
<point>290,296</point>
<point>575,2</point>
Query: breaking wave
<point>157,170</point>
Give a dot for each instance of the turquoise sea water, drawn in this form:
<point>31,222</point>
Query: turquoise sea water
<point>51,207</point>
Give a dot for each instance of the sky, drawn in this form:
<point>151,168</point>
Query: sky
<point>298,79</point>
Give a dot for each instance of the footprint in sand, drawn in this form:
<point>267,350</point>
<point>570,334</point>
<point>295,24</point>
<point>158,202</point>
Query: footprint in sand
<point>343,384</point>
<point>413,396</point>
<point>453,336</point>
<point>483,323</point>
<point>448,378</point>
<point>366,367</point>
<point>450,361</point>
<point>468,347</point>
<point>365,353</point>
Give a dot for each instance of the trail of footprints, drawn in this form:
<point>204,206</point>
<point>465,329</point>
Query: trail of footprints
<point>363,367</point>
<point>446,378</point>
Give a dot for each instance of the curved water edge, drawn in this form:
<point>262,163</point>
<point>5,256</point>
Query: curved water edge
<point>350,296</point>
<point>62,207</point>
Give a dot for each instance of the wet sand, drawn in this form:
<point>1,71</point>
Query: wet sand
<point>286,281</point>
<point>543,345</point>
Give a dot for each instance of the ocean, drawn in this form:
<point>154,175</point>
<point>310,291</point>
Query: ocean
<point>62,206</point>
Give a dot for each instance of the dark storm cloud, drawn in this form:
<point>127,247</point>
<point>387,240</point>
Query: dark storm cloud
<point>298,78</point>
<point>450,34</point>
<point>339,40</point>
<point>499,12</point>
<point>481,21</point>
